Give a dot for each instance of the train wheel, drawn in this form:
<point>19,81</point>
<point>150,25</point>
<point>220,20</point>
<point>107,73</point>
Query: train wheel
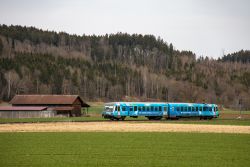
<point>123,118</point>
<point>174,118</point>
<point>150,118</point>
<point>157,118</point>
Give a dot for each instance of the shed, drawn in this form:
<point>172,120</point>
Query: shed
<point>65,105</point>
<point>25,112</point>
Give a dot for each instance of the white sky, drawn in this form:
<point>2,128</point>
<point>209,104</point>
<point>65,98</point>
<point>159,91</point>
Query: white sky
<point>206,27</point>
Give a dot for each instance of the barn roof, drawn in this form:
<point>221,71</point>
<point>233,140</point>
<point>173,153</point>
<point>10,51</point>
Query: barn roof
<point>61,108</point>
<point>10,108</point>
<point>46,100</point>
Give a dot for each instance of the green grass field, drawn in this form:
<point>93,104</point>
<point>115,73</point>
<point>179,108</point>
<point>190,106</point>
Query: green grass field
<point>124,149</point>
<point>229,111</point>
<point>96,109</point>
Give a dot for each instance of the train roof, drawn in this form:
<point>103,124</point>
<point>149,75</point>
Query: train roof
<point>123,102</point>
<point>191,103</point>
<point>113,103</point>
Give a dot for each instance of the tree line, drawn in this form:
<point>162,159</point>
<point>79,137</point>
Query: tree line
<point>115,67</point>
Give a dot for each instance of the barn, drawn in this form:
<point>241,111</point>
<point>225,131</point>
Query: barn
<point>44,106</point>
<point>25,112</point>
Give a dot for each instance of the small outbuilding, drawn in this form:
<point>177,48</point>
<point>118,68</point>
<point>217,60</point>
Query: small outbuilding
<point>25,112</point>
<point>55,105</point>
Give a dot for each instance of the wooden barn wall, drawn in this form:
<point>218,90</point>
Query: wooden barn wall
<point>77,108</point>
<point>27,114</point>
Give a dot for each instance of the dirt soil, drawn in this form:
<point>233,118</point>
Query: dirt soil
<point>121,127</point>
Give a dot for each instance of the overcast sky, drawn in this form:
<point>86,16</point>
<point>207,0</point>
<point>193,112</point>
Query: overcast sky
<point>206,27</point>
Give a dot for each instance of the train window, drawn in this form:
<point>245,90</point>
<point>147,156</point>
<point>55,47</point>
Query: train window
<point>200,108</point>
<point>189,108</point>
<point>143,108</point>
<point>197,108</point>
<point>115,108</point>
<point>118,108</point>
<point>182,109</point>
<point>156,108</point>
<point>160,108</point>
<point>165,108</point>
<point>109,108</point>
<point>204,108</point>
<point>130,108</point>
<point>193,109</point>
<point>152,108</point>
<point>123,108</point>
<point>210,108</point>
<point>135,108</point>
<point>148,108</point>
<point>185,109</point>
<point>216,108</point>
<point>139,108</point>
<point>178,108</point>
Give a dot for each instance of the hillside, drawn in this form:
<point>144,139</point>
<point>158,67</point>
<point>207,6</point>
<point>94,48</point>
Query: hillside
<point>116,67</point>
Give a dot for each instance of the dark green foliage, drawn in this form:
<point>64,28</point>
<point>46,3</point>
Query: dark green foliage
<point>146,41</point>
<point>50,37</point>
<point>29,33</point>
<point>1,46</point>
<point>241,56</point>
<point>3,80</point>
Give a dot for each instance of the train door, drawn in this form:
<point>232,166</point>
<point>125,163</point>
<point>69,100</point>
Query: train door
<point>165,111</point>
<point>196,108</point>
<point>171,111</point>
<point>200,109</point>
<point>214,111</point>
<point>123,111</point>
<point>130,110</point>
<point>135,113</point>
<point>194,113</point>
<point>118,111</point>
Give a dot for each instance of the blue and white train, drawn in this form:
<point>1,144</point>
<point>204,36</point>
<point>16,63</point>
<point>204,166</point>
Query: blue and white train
<point>158,110</point>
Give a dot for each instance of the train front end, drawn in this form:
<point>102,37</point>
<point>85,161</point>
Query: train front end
<point>216,111</point>
<point>108,112</point>
<point>115,111</point>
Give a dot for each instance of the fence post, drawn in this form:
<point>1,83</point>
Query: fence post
<point>240,104</point>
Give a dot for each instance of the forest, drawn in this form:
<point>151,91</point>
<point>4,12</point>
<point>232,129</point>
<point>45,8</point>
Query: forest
<point>114,67</point>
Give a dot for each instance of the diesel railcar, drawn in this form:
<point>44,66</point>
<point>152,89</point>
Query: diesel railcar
<point>156,111</point>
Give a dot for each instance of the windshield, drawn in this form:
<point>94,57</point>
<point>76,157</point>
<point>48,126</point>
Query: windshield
<point>108,108</point>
